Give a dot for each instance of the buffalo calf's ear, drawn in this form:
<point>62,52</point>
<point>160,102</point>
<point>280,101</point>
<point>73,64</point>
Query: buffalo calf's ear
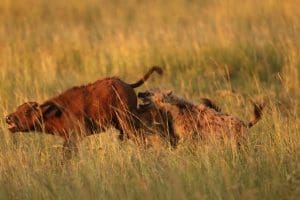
<point>50,109</point>
<point>35,106</point>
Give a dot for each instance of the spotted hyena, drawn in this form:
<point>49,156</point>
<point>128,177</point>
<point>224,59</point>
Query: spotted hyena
<point>198,121</point>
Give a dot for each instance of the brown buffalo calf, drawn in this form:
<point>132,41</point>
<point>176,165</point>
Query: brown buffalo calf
<point>83,110</point>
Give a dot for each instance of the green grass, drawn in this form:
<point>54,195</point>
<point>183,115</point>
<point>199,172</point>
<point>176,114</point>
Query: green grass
<point>207,49</point>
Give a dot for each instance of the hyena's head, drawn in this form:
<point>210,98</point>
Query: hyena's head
<point>159,97</point>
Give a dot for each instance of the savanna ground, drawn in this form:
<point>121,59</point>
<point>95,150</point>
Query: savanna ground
<point>231,51</point>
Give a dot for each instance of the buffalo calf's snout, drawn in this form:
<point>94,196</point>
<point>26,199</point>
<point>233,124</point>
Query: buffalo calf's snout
<point>8,119</point>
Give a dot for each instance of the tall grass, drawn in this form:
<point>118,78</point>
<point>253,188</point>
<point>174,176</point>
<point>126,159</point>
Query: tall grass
<point>230,51</point>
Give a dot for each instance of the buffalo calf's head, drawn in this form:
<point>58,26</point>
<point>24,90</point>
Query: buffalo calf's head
<point>30,115</point>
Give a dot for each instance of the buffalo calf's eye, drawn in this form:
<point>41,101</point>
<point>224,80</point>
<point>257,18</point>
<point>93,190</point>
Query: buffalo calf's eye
<point>27,112</point>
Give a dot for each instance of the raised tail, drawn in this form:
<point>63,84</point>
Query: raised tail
<point>146,76</point>
<point>257,113</point>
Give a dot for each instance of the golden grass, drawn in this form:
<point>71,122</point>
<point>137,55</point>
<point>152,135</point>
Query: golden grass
<point>207,48</point>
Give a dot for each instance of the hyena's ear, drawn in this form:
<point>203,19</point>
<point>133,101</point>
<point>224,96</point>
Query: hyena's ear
<point>169,92</point>
<point>143,94</point>
<point>50,109</point>
<point>210,104</point>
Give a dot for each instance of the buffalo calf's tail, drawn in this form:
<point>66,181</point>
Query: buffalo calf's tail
<point>146,76</point>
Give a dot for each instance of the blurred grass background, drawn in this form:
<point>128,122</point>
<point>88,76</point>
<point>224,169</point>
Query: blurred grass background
<point>227,50</point>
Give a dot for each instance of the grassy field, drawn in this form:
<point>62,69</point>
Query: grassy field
<point>228,50</point>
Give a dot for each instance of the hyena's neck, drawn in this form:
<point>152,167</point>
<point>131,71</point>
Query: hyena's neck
<point>172,109</point>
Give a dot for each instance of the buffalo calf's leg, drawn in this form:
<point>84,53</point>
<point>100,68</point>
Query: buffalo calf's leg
<point>70,148</point>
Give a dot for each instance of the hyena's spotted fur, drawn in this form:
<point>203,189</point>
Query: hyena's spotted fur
<point>200,121</point>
